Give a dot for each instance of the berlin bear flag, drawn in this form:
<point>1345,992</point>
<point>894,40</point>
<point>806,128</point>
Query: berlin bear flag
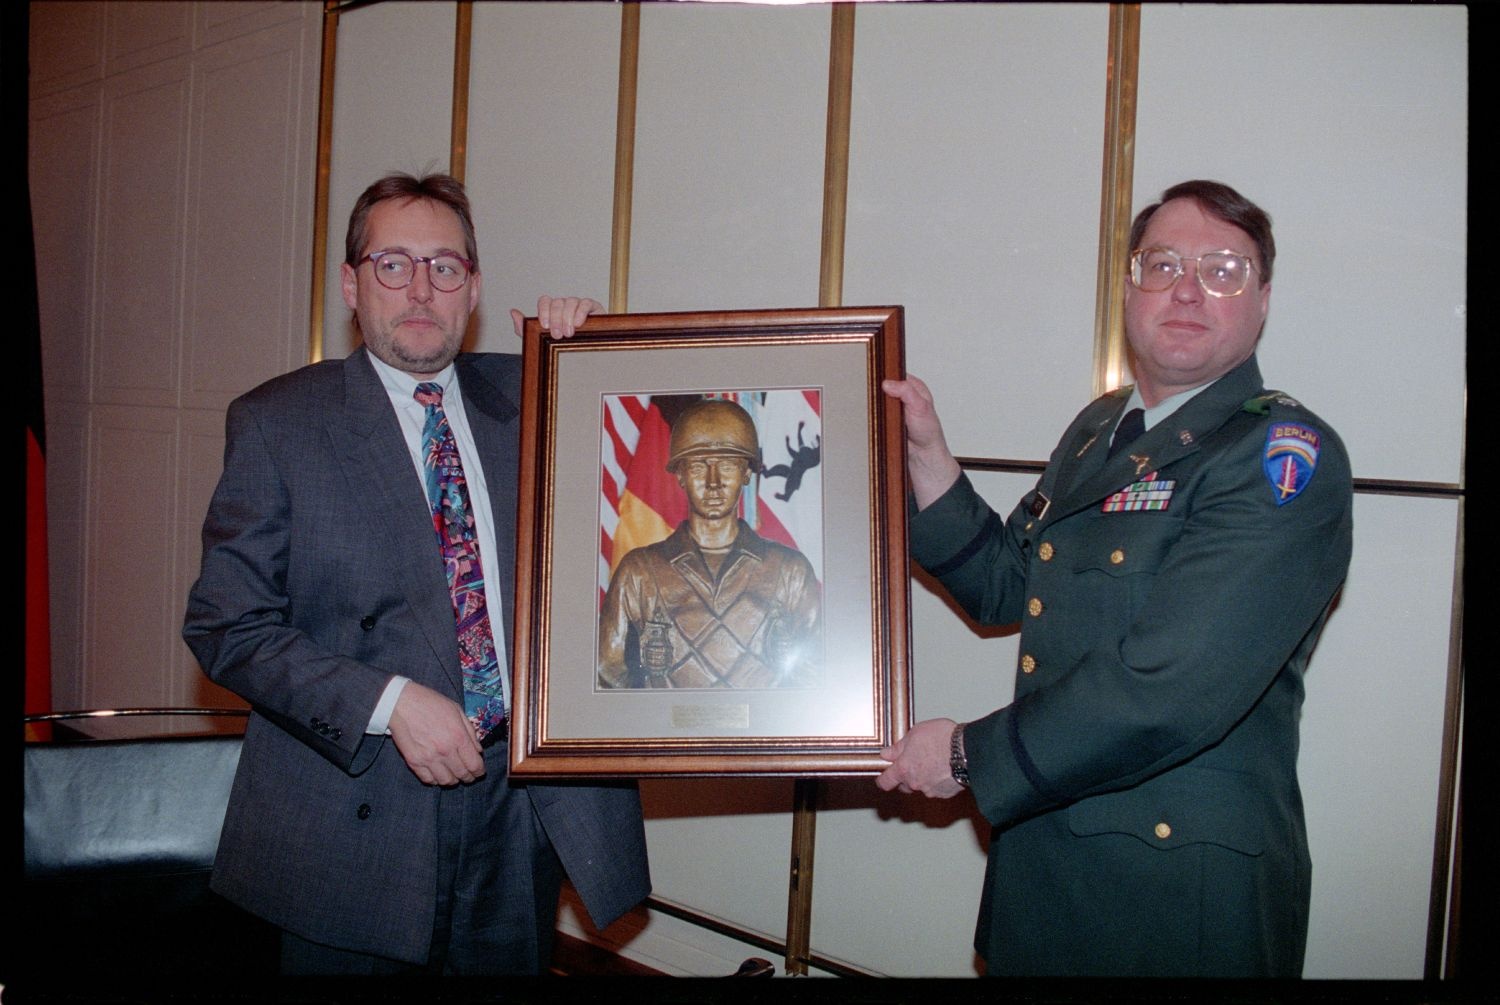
<point>641,503</point>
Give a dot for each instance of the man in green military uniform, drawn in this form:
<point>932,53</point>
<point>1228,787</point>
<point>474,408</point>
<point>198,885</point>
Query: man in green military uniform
<point>1171,572</point>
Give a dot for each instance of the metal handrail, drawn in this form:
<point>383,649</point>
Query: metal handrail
<point>109,713</point>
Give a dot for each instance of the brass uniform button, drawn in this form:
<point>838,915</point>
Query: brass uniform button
<point>1034,607</point>
<point>1116,557</point>
<point>1163,830</point>
<point>1045,552</point>
<point>1028,663</point>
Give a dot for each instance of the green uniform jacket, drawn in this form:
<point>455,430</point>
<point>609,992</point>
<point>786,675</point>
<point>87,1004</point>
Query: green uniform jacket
<point>1143,784</point>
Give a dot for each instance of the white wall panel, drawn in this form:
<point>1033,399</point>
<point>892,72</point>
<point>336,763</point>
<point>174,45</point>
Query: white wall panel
<point>392,111</point>
<point>66,45</point>
<point>247,214</point>
<point>1348,124</point>
<point>137,32</point>
<point>729,157</point>
<point>141,235</point>
<point>541,156</point>
<point>974,200</point>
<point>64,170</point>
<point>225,19</point>
<point>722,847</point>
<point>129,642</point>
<point>1372,732</point>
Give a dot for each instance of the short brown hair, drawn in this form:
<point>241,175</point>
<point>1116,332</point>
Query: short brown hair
<point>1223,203</point>
<point>443,189</point>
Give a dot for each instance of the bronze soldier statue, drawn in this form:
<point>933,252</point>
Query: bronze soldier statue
<point>715,604</point>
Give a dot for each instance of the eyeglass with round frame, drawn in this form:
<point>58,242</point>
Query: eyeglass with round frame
<point>1219,273</point>
<point>396,269</point>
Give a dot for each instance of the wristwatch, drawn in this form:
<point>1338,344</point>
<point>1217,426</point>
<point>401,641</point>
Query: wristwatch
<point>958,761</point>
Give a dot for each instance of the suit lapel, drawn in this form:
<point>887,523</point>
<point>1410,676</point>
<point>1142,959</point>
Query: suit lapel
<point>493,419</point>
<point>1170,440</point>
<point>377,465</point>
<point>1087,450</point>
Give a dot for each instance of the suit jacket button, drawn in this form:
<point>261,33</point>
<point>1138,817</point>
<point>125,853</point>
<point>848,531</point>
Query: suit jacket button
<point>367,622</point>
<point>363,812</point>
<point>1162,830</point>
<point>1046,551</point>
<point>1034,607</point>
<point>1116,557</point>
<point>336,733</point>
<point>1028,663</point>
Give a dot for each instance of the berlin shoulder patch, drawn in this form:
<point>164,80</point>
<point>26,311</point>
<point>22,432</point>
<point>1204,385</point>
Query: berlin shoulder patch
<point>1290,459</point>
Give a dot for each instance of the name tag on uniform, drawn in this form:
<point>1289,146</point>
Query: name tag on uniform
<point>1146,495</point>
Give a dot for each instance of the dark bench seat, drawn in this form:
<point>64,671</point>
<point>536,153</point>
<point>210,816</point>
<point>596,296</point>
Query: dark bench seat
<point>120,838</point>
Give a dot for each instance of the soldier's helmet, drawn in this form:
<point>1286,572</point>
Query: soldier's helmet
<point>713,426</point>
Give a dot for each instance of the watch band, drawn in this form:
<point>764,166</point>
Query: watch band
<point>958,760</point>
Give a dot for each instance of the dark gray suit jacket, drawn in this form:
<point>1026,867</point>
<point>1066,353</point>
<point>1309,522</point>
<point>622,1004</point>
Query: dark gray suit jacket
<point>321,578</point>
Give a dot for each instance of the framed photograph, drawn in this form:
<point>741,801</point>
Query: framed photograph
<point>711,565</point>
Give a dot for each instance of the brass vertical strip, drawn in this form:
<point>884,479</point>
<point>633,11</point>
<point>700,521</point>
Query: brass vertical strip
<point>320,180</point>
<point>619,238</point>
<point>1445,910</point>
<point>458,137</point>
<point>836,156</point>
<point>1115,192</point>
<point>1438,916</point>
<point>800,878</point>
<point>1454,965</point>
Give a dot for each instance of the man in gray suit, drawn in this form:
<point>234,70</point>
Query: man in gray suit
<point>356,589</point>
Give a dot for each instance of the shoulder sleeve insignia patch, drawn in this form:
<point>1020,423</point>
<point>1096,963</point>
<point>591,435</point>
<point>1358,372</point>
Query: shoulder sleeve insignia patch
<point>1290,459</point>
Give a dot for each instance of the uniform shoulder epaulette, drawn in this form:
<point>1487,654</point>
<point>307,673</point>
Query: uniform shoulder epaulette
<point>1120,392</point>
<point>1261,403</point>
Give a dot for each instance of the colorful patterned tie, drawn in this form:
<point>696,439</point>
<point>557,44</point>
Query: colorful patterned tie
<point>448,496</point>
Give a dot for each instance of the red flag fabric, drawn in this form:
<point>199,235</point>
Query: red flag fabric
<point>38,635</point>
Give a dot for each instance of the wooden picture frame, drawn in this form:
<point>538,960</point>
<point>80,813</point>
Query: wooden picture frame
<point>645,642</point>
